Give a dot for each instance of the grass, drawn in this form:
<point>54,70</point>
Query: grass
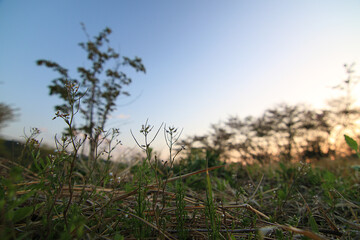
<point>62,195</point>
<point>284,201</point>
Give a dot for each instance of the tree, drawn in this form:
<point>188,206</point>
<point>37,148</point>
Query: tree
<point>7,114</point>
<point>99,84</point>
<point>292,125</point>
<point>216,142</point>
<point>344,112</point>
<point>250,138</point>
<point>286,123</point>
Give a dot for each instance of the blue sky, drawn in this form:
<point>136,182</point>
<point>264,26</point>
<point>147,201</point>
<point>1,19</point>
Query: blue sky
<point>205,60</point>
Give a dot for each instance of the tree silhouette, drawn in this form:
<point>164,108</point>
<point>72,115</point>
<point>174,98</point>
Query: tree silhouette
<point>100,85</point>
<point>7,114</point>
<point>292,124</point>
<point>343,111</point>
<point>277,133</point>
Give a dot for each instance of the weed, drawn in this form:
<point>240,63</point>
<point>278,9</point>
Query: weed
<point>210,210</point>
<point>181,213</point>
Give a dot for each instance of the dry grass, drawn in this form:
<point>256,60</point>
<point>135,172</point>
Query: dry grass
<point>109,212</point>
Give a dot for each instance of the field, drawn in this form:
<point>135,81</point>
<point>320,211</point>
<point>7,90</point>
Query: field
<point>47,194</point>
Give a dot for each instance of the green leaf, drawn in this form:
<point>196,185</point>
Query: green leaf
<point>2,204</point>
<point>118,237</point>
<point>10,215</point>
<point>281,194</point>
<point>22,199</point>
<point>22,213</point>
<point>351,142</point>
<point>356,167</point>
<point>313,224</point>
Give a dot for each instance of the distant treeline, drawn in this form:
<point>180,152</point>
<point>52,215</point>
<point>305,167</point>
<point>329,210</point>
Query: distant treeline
<point>14,150</point>
<point>286,132</point>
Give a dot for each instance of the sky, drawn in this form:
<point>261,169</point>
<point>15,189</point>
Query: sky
<point>206,60</point>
